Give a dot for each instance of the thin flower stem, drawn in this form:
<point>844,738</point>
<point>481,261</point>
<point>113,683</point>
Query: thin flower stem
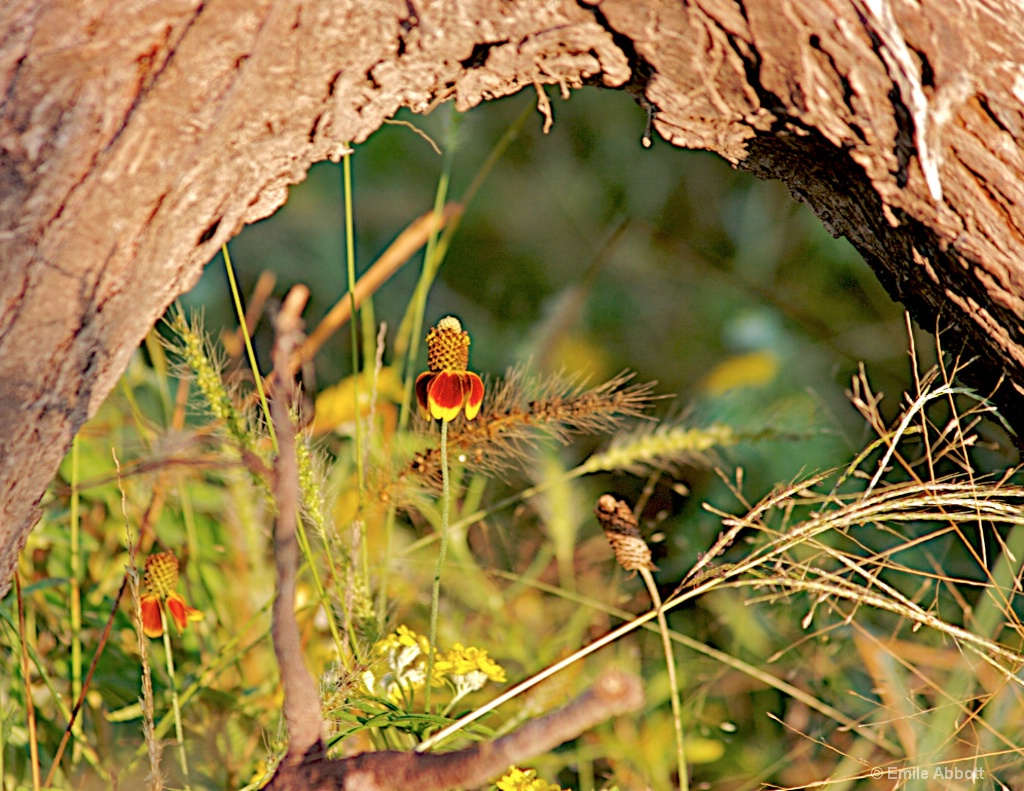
<point>443,550</point>
<point>350,268</point>
<point>76,601</point>
<point>257,378</point>
<point>437,247</point>
<point>179,731</point>
<point>408,345</point>
<point>673,682</point>
<point>30,711</point>
<point>131,581</point>
<point>360,438</point>
<point>205,674</point>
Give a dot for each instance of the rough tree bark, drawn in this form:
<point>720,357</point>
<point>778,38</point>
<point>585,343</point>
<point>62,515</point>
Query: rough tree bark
<point>137,137</point>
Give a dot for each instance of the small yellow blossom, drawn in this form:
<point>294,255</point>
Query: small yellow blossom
<point>467,669</point>
<point>524,780</point>
<point>403,638</point>
<point>405,654</point>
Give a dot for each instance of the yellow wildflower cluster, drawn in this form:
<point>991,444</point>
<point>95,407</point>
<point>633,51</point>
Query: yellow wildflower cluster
<point>466,669</point>
<point>524,780</point>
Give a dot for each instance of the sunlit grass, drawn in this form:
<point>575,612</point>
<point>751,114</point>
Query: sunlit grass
<point>848,621</point>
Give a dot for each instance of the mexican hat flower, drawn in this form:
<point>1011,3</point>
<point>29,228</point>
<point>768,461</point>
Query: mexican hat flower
<point>448,388</point>
<point>160,582</point>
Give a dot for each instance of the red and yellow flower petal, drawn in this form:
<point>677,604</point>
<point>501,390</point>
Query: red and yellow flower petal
<point>474,394</point>
<point>422,387</point>
<point>181,612</point>
<point>446,396</point>
<point>152,622</point>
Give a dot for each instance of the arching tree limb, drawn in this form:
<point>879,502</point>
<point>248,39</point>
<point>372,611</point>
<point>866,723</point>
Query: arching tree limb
<point>137,139</point>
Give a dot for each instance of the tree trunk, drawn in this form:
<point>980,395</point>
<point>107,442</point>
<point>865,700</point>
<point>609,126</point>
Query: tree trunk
<point>137,138</point>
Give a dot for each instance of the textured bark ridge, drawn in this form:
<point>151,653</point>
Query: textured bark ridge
<point>137,138</point>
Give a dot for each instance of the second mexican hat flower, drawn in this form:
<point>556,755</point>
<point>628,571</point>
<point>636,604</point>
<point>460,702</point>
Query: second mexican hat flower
<point>448,388</point>
<point>160,582</point>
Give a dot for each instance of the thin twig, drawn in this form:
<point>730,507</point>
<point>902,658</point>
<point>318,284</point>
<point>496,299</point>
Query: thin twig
<point>301,701</point>
<point>613,693</point>
<point>131,579</point>
<point>417,130</point>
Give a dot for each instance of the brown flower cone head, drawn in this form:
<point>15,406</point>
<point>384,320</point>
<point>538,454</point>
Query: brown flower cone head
<point>161,574</point>
<point>448,388</point>
<point>448,346</point>
<point>623,533</point>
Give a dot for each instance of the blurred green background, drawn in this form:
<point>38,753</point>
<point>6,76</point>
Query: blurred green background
<point>584,251</point>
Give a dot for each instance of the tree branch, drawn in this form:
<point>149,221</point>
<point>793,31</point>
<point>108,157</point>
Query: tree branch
<point>301,700</point>
<point>613,693</point>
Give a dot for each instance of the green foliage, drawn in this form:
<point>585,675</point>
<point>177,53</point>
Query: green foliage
<point>865,618</point>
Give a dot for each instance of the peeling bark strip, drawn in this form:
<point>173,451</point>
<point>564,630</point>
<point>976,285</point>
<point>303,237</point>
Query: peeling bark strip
<point>138,138</point>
